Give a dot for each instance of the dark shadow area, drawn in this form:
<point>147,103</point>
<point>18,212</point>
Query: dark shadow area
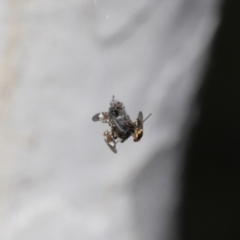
<point>210,207</point>
<point>155,193</point>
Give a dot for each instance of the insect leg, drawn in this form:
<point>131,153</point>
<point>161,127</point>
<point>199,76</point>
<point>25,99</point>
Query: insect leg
<point>147,117</point>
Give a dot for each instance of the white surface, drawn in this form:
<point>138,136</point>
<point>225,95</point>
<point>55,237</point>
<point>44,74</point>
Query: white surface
<point>61,62</point>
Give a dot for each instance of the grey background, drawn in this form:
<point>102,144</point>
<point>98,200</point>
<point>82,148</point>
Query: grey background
<point>60,63</point>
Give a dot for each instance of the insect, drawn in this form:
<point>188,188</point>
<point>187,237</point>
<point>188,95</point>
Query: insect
<point>122,127</point>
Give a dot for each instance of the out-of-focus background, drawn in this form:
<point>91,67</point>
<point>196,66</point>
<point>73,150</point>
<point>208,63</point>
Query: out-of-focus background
<point>60,63</point>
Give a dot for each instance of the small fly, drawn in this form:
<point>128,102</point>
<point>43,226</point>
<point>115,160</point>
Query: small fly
<point>122,127</point>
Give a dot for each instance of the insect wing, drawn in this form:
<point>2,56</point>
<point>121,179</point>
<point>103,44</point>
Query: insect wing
<point>100,117</point>
<point>96,118</point>
<point>140,120</point>
<point>112,145</point>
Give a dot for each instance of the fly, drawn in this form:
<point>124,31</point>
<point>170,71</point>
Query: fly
<point>122,127</point>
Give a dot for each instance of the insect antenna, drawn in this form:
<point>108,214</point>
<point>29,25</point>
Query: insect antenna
<point>147,117</point>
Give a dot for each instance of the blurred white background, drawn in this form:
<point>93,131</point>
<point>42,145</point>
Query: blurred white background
<point>60,63</point>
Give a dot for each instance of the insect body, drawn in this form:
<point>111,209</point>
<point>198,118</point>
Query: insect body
<point>121,125</point>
